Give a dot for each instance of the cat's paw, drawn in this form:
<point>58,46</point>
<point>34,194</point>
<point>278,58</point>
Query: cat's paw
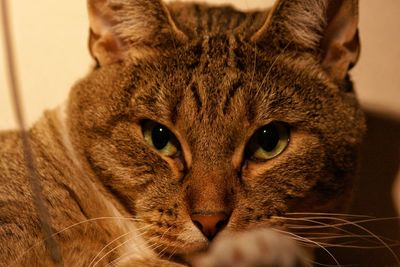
<point>257,248</point>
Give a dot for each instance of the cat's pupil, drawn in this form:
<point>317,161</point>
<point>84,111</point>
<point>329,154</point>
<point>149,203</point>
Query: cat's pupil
<point>160,136</point>
<point>268,137</point>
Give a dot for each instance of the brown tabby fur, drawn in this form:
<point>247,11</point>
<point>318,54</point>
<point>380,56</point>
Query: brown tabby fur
<point>213,76</point>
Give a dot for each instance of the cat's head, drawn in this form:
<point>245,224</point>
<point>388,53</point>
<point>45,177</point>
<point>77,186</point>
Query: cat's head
<point>206,120</point>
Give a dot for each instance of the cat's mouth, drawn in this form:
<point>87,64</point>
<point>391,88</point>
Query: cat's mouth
<point>190,252</point>
<point>185,259</point>
<point>186,255</point>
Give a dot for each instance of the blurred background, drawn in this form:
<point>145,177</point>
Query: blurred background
<point>50,38</point>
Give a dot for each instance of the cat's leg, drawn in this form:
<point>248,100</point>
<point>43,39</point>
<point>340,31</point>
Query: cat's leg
<point>261,248</point>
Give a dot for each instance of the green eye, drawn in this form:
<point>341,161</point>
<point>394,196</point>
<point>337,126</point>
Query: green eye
<point>268,141</point>
<point>160,137</point>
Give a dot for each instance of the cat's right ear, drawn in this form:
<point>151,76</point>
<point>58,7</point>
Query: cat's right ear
<point>325,28</point>
<point>122,30</point>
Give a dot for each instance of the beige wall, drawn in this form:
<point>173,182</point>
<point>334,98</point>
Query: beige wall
<point>51,37</point>
<point>50,40</point>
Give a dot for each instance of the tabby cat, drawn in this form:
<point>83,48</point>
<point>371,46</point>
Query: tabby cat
<point>199,138</point>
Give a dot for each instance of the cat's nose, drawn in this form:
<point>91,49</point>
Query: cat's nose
<point>210,224</point>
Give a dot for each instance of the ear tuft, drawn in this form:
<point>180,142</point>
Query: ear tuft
<point>130,29</point>
<point>326,28</point>
<point>293,21</point>
<point>341,43</point>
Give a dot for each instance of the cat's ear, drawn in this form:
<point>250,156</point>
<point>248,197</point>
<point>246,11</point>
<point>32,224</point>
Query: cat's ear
<point>328,28</point>
<point>130,29</point>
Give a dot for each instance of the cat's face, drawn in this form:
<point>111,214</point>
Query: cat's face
<point>218,135</point>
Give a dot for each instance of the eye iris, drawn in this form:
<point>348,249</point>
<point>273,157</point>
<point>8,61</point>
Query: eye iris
<point>268,141</point>
<point>160,137</point>
<point>268,138</point>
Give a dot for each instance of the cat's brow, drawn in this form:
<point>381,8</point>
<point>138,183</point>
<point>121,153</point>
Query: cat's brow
<point>196,95</point>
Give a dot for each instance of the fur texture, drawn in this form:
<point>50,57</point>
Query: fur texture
<point>213,76</point>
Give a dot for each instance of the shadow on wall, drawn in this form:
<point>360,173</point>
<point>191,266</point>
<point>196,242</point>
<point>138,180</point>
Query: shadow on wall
<point>380,165</point>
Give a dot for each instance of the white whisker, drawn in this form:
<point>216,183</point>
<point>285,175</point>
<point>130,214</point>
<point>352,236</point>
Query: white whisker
<point>347,222</point>
<point>115,240</point>
<point>69,227</point>
<point>128,254</point>
<point>309,241</point>
<point>329,214</point>
<point>153,247</point>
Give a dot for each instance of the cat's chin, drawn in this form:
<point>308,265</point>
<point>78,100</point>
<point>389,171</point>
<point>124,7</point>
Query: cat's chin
<point>186,254</point>
<point>191,252</point>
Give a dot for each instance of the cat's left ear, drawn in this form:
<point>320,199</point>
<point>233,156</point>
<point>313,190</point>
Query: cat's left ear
<point>326,27</point>
<point>123,30</point>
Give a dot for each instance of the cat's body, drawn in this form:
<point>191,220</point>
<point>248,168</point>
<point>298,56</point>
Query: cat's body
<point>213,77</point>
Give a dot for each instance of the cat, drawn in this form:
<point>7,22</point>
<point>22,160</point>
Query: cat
<point>202,131</point>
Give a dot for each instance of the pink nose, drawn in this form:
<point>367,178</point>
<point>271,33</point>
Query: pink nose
<point>210,224</point>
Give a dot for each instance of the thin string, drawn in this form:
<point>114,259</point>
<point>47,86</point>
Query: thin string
<point>30,166</point>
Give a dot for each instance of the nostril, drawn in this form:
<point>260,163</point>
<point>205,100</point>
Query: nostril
<point>221,224</point>
<point>198,225</point>
<point>210,224</point>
